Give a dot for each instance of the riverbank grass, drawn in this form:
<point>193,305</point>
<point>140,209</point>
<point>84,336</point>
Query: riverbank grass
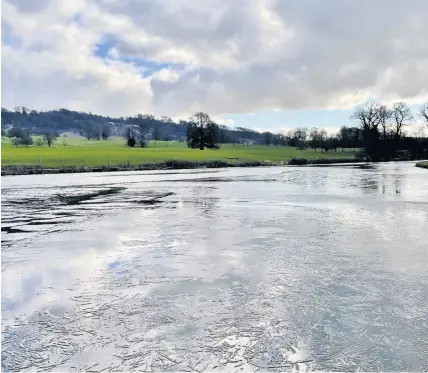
<point>423,164</point>
<point>77,151</point>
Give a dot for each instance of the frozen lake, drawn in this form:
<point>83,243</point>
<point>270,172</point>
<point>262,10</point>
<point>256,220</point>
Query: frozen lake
<point>311,268</point>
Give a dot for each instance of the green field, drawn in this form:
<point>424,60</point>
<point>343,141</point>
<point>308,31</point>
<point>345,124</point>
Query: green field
<point>423,164</point>
<point>78,151</point>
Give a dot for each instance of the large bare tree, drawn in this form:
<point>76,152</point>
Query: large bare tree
<point>401,117</point>
<point>423,111</point>
<point>372,119</point>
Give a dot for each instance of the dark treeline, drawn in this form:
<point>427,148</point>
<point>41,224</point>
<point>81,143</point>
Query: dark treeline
<point>89,125</point>
<point>382,131</point>
<point>97,127</point>
<point>377,129</point>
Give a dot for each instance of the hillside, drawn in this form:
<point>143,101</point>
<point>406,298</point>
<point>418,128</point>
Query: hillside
<point>86,124</point>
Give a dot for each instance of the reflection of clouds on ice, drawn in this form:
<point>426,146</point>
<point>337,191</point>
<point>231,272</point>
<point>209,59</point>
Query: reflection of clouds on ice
<point>264,276</point>
<point>32,286</point>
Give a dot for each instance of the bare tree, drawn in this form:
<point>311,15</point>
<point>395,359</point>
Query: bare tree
<point>401,117</point>
<point>166,119</point>
<point>301,135</point>
<point>384,115</point>
<point>106,131</point>
<point>323,138</point>
<point>50,137</point>
<point>372,119</point>
<point>423,111</point>
<point>421,131</point>
<point>345,137</point>
<point>143,134</point>
<point>318,138</point>
<point>130,137</point>
<point>96,130</point>
<point>314,138</point>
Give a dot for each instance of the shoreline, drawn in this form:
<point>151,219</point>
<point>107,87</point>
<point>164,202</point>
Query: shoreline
<point>15,170</point>
<point>422,164</point>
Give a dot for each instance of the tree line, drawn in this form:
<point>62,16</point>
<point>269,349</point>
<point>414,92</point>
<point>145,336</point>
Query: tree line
<point>138,127</point>
<point>377,129</point>
<point>98,127</point>
<point>382,131</point>
<point>20,136</point>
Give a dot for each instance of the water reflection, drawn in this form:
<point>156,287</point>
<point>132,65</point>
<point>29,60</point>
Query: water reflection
<point>389,182</point>
<point>203,197</point>
<point>305,271</point>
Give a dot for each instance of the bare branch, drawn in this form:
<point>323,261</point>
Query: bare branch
<point>401,117</point>
<point>423,111</point>
<point>371,117</point>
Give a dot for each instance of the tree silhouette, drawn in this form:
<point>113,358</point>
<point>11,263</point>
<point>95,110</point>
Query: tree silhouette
<point>202,132</point>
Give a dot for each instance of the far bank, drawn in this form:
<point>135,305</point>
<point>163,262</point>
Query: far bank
<point>167,165</point>
<point>422,164</point>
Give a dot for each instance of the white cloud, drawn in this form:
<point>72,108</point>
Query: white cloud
<point>223,56</point>
<point>54,66</point>
<point>224,121</point>
<point>166,75</point>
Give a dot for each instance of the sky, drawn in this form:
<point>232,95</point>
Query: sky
<point>263,64</point>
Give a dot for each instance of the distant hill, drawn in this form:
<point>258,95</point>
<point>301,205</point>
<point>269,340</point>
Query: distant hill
<point>64,120</point>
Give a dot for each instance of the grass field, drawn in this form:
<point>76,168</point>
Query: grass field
<point>423,164</point>
<point>78,151</point>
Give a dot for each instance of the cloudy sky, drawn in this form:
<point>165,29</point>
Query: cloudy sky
<point>265,64</point>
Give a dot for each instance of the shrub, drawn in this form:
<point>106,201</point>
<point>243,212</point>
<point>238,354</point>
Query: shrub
<point>298,161</point>
<point>131,142</point>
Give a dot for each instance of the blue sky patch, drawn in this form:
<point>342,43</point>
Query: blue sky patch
<point>278,120</point>
<point>149,67</point>
<point>8,37</point>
